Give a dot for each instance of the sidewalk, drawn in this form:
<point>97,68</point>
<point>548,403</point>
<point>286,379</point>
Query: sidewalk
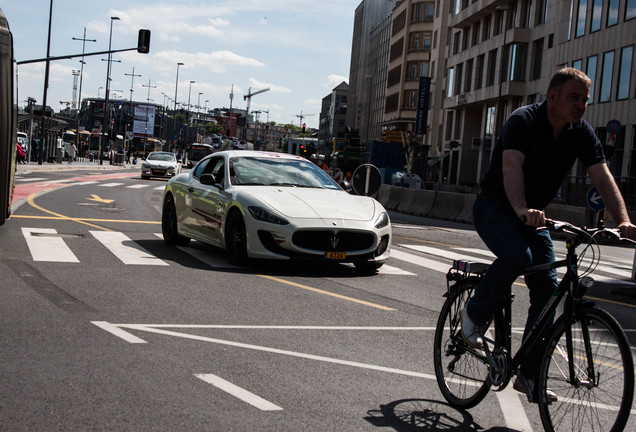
<point>82,165</point>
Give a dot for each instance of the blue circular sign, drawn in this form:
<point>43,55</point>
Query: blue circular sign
<point>594,200</point>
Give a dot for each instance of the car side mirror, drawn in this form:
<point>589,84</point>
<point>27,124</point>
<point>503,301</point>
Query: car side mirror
<point>207,179</point>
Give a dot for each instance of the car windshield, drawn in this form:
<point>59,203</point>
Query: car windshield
<point>168,157</point>
<point>269,171</point>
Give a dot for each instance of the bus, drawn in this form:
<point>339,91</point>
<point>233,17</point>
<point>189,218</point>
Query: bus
<point>8,119</point>
<point>196,152</point>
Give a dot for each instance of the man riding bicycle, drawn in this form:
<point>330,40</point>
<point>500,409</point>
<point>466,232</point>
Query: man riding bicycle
<point>538,145</point>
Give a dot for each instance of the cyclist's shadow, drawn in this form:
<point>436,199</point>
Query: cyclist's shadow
<point>418,415</point>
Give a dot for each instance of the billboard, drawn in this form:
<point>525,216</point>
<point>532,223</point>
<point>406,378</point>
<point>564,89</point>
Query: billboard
<point>144,122</point>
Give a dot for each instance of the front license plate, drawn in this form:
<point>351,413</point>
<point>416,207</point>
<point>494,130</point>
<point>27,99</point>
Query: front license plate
<point>335,255</point>
<point>159,172</point>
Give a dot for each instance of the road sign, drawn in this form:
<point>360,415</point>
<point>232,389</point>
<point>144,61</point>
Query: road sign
<point>594,200</point>
<point>366,180</point>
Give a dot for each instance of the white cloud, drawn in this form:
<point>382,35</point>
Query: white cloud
<point>275,88</point>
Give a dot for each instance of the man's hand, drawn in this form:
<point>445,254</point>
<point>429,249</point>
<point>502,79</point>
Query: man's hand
<point>628,230</point>
<point>532,217</point>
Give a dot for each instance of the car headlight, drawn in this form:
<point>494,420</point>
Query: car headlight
<point>265,215</point>
<point>145,165</point>
<point>382,221</point>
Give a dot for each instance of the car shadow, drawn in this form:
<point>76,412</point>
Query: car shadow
<point>217,260</point>
<point>419,415</point>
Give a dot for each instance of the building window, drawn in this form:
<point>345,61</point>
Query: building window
<point>526,14</point>
<point>399,22</point>
<point>417,13</point>
<point>591,73</point>
<point>492,64</point>
<point>541,12</point>
<point>459,77</point>
<point>577,64</point>
<point>485,33</point>
<point>429,11</point>
<point>397,49</point>
<point>537,59</point>
<point>612,13</point>
<point>597,11</point>
<point>394,76</point>
<point>479,72</point>
<point>465,38</point>
<point>624,73</point>
<point>451,82</point>
<point>468,81</point>
<point>580,19</point>
<point>449,125</point>
<point>424,69</point>
<point>410,99</point>
<point>518,61</point>
<point>456,43</point>
<point>392,102</point>
<point>606,76</point>
<point>476,31</point>
<point>630,10</point>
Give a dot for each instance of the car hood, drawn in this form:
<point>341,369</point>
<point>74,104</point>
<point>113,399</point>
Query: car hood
<point>160,164</point>
<point>306,203</point>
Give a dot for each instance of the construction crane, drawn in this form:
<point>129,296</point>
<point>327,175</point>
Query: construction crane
<point>302,116</point>
<point>248,98</point>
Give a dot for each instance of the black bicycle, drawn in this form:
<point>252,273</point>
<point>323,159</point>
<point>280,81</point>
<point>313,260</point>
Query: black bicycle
<point>587,360</point>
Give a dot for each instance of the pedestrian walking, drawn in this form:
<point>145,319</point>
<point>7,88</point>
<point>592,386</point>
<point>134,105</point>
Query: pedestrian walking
<point>72,151</point>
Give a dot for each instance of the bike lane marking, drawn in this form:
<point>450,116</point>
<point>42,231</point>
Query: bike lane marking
<point>238,392</point>
<point>514,413</point>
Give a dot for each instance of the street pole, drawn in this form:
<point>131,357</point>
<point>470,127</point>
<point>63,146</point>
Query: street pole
<point>77,136</point>
<point>43,127</point>
<point>106,123</point>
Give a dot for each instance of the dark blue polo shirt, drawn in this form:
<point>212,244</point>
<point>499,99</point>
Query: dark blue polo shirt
<point>547,161</point>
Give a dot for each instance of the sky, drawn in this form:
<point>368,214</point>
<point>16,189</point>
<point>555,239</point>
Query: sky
<point>299,49</point>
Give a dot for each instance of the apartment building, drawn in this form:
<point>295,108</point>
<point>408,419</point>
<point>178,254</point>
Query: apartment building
<point>502,54</point>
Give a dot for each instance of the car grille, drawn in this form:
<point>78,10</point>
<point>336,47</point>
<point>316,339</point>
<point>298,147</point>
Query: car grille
<point>337,241</point>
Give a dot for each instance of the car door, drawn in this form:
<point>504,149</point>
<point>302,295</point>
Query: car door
<point>205,200</point>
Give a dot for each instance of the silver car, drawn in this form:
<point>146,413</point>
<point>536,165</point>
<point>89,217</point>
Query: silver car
<point>257,204</point>
<point>160,164</point>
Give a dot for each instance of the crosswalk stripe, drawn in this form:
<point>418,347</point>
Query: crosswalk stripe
<point>110,184</point>
<point>159,188</point>
<point>442,253</point>
<point>29,179</point>
<point>420,261</point>
<point>390,270</point>
<point>125,249</point>
<point>47,247</point>
<point>137,186</point>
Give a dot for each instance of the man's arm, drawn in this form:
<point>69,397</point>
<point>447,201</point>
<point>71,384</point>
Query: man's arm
<point>604,182</point>
<point>514,185</point>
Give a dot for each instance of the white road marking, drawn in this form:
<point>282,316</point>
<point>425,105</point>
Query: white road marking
<point>126,250</point>
<point>238,392</point>
<point>513,411</point>
<point>29,179</point>
<point>47,247</point>
<point>110,184</point>
<point>420,261</point>
<point>117,331</point>
<point>137,186</point>
<point>83,183</point>
<point>160,188</point>
<point>390,270</point>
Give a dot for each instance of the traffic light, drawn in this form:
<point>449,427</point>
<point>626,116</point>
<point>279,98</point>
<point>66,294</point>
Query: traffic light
<point>302,150</point>
<point>143,41</point>
<point>304,126</point>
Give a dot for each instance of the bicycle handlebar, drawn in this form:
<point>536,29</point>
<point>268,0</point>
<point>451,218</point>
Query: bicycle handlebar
<point>613,234</point>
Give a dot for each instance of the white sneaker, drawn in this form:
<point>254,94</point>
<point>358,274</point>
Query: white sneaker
<point>519,385</point>
<point>471,333</point>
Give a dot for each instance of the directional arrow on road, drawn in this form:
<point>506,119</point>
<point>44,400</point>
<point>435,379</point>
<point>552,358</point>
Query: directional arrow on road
<point>98,199</point>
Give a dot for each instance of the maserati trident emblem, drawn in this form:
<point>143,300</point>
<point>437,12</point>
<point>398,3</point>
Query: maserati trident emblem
<point>334,241</point>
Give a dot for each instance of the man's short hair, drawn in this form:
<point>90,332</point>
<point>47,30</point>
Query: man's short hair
<point>566,74</point>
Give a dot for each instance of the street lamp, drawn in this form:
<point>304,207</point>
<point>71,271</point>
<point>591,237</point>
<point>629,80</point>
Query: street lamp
<point>189,92</point>
<point>176,86</point>
<point>106,123</point>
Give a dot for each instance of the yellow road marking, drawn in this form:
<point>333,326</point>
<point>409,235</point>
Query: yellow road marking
<point>99,199</point>
<point>351,299</point>
<point>31,202</point>
<point>87,219</point>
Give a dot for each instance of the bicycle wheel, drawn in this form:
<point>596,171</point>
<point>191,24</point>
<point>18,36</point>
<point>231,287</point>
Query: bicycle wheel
<point>603,398</point>
<point>461,375</point>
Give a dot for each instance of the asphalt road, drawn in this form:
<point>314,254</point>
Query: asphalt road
<point>104,327</point>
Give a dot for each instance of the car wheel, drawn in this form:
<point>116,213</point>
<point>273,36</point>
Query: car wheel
<point>236,238</point>
<point>169,224</point>
<point>368,266</point>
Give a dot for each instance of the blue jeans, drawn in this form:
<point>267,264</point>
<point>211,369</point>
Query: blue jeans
<point>516,247</point>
